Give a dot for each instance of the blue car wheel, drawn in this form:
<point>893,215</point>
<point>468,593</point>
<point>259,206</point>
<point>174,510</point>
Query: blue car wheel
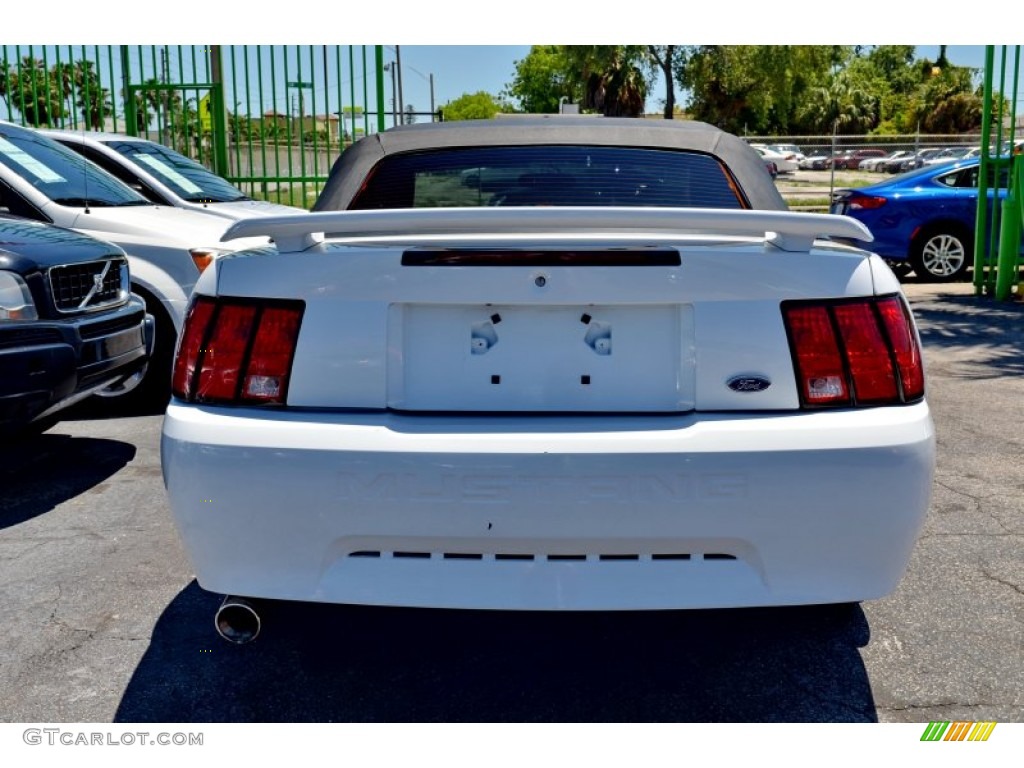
<point>942,254</point>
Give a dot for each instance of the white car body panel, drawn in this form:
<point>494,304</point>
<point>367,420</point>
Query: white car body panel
<point>667,512</point>
<point>400,474</point>
<point>874,163</point>
<point>232,211</point>
<point>243,209</point>
<point>156,239</point>
<point>784,162</point>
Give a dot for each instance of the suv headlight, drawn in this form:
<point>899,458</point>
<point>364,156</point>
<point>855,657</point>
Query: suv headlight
<point>126,281</point>
<point>15,298</point>
<point>203,257</point>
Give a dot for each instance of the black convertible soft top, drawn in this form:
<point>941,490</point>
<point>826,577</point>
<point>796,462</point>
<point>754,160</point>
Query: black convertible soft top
<point>746,165</point>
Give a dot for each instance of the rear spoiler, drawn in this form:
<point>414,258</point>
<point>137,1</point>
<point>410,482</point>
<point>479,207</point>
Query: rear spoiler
<point>786,230</point>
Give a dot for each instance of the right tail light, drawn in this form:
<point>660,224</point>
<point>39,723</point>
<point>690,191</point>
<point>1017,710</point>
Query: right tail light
<point>854,352</point>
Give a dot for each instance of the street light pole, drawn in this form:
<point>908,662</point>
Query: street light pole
<point>832,164</point>
<point>401,101</point>
<point>390,67</point>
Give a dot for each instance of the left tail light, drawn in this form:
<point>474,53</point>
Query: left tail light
<point>237,351</point>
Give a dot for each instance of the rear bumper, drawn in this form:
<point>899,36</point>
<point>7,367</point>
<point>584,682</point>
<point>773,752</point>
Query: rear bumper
<point>694,511</point>
<point>49,365</point>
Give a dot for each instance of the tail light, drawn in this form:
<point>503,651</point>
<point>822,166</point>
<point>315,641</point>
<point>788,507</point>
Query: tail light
<point>236,351</point>
<point>854,352</point>
<point>865,202</point>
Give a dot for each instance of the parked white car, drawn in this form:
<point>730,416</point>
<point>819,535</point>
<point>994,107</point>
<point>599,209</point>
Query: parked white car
<point>875,164</point>
<point>628,379</point>
<point>788,149</point>
<point>784,163</point>
<point>167,247</point>
<point>166,177</point>
<point>951,154</point>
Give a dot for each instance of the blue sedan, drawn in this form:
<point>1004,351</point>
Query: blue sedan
<point>922,220</point>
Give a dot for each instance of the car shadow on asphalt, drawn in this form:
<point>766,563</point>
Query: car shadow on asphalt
<point>323,663</point>
<point>992,332</point>
<point>34,476</point>
<point>98,408</point>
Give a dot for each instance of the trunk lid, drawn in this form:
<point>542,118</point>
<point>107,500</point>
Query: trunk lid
<point>580,322</point>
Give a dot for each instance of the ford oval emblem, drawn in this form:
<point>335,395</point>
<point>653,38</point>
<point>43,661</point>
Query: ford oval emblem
<point>748,383</point>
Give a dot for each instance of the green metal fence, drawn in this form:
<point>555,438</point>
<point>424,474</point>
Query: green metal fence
<point>997,233</point>
<point>271,119</point>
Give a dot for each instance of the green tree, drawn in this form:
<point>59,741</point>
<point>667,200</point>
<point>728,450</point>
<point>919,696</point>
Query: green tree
<point>37,93</point>
<point>540,83</point>
<point>884,74</point>
<point>949,103</point>
<point>895,65</point>
<point>472,106</point>
<point>665,58</point>
<point>177,119</point>
<point>91,99</point>
<point>959,113</point>
<point>841,106</point>
<point>47,97</point>
<point>721,84</point>
<point>240,127</point>
<point>613,80</point>
<point>272,130</point>
<point>755,88</point>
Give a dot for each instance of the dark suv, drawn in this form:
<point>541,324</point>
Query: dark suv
<point>69,325</point>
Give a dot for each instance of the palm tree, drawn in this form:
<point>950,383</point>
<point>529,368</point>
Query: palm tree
<point>841,106</point>
<point>91,98</point>
<point>35,92</point>
<point>610,77</point>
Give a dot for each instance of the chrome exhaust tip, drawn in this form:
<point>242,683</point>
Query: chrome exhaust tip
<point>237,620</point>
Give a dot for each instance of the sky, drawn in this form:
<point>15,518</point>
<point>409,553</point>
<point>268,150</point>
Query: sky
<point>472,46</point>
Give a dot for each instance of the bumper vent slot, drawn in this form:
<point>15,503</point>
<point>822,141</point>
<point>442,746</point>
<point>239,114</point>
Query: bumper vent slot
<point>108,327</point>
<point>22,337</point>
<point>551,558</point>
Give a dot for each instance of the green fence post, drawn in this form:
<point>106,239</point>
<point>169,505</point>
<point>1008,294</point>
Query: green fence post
<point>220,132</point>
<point>131,120</point>
<point>378,52</point>
<point>981,217</point>
<point>1010,233</point>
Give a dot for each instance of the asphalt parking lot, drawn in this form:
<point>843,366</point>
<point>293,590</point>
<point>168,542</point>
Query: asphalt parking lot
<point>103,620</point>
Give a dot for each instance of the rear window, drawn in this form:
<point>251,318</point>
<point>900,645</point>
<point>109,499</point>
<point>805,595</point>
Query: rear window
<point>549,175</point>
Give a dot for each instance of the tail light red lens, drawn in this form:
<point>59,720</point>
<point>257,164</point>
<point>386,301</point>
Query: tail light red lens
<point>871,369</point>
<point>819,363</point>
<point>237,351</point>
<point>854,352</point>
<point>271,359</point>
<point>895,317</point>
<point>864,202</point>
<point>197,320</point>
